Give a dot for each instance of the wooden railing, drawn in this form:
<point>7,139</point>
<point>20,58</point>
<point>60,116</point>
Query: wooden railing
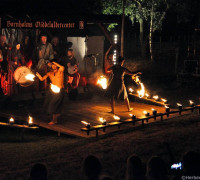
<point>134,119</point>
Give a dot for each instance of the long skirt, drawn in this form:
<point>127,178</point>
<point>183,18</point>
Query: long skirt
<point>54,102</point>
<point>115,89</point>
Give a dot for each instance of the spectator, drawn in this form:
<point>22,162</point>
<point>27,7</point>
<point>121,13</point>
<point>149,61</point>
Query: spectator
<point>57,48</point>
<point>38,172</point>
<point>27,49</point>
<point>191,163</point>
<point>134,169</point>
<point>91,168</point>
<point>156,169</point>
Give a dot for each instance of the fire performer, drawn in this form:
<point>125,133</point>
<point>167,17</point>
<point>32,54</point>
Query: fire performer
<point>117,85</point>
<point>54,100</point>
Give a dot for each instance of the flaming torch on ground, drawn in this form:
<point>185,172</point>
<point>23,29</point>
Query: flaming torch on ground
<point>116,117</point>
<point>156,97</point>
<point>30,121</point>
<point>102,120</point>
<point>102,81</point>
<point>191,103</point>
<point>164,100</point>
<point>87,125</point>
<point>11,120</point>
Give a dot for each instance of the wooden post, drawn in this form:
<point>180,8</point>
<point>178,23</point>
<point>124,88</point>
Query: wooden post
<point>97,133</point>
<point>88,132</point>
<point>161,117</point>
<point>143,123</point>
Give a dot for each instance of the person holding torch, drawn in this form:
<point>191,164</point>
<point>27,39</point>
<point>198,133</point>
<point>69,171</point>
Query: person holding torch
<point>117,85</point>
<point>55,97</point>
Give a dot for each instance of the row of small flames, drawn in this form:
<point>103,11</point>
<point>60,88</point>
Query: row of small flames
<point>30,121</point>
<point>154,113</point>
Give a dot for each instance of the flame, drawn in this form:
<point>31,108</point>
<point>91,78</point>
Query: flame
<point>166,106</point>
<point>116,117</point>
<point>30,77</point>
<point>103,82</point>
<point>131,115</point>
<point>178,104</point>
<point>191,102</point>
<point>155,97</point>
<point>153,109</point>
<point>30,120</point>
<point>84,122</point>
<point>147,95</point>
<point>55,88</point>
<point>136,79</point>
<point>131,90</point>
<point>102,120</point>
<point>141,92</point>
<point>12,120</point>
<point>145,112</point>
<point>164,100</point>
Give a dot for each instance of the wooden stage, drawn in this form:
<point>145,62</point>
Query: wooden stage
<point>83,109</point>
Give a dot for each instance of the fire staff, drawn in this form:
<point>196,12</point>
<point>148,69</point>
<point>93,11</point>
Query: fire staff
<point>117,85</point>
<point>55,98</point>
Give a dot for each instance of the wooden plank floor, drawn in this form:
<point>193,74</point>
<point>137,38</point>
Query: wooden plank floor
<point>83,110</point>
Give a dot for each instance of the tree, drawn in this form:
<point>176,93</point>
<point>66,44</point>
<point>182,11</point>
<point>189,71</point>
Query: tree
<point>142,11</point>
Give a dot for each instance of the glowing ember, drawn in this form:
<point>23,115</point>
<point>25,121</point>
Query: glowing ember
<point>166,106</point>
<point>141,92</point>
<point>178,104</point>
<point>164,100</point>
<point>131,115</point>
<point>103,82</point>
<point>156,97</point>
<point>131,90</point>
<point>147,95</point>
<point>153,109</point>
<point>30,77</point>
<point>55,88</point>
<point>191,102</point>
<point>116,117</point>
<point>12,120</point>
<point>30,120</point>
